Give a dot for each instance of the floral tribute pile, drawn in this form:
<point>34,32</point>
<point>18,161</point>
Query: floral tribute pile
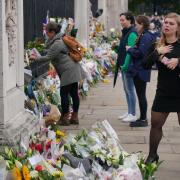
<point>43,93</point>
<point>52,154</point>
<point>95,154</point>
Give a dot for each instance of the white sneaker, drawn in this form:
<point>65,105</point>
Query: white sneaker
<point>129,118</point>
<point>123,116</point>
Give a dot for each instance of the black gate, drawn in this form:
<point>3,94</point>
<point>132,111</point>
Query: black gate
<point>35,12</point>
<point>94,6</point>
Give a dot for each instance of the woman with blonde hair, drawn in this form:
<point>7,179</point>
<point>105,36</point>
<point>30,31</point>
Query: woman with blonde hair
<point>166,54</point>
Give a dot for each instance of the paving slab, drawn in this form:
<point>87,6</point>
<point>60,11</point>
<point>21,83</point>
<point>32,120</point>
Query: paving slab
<point>106,102</point>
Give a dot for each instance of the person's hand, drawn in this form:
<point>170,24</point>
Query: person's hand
<point>127,47</point>
<point>33,57</point>
<point>164,49</point>
<point>124,68</point>
<point>164,60</point>
<point>172,63</point>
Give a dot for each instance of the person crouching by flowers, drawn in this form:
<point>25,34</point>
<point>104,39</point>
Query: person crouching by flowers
<point>166,53</point>
<point>69,72</point>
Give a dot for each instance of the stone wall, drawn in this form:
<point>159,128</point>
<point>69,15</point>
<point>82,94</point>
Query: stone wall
<point>111,11</point>
<point>13,118</point>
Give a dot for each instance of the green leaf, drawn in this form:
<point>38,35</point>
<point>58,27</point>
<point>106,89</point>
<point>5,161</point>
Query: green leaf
<point>147,170</point>
<point>18,164</point>
<point>121,159</point>
<point>6,150</point>
<point>8,165</point>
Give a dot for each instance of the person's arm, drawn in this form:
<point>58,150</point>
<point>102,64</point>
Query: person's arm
<point>140,51</point>
<point>151,57</point>
<point>52,53</point>
<point>154,54</point>
<point>131,42</point>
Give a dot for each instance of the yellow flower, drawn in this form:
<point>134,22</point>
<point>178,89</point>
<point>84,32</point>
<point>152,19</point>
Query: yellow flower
<point>60,133</point>
<point>52,88</point>
<point>105,81</point>
<point>16,174</point>
<point>58,140</point>
<point>84,50</point>
<point>26,173</point>
<point>58,173</point>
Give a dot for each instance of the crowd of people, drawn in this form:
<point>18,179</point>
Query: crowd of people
<point>145,41</point>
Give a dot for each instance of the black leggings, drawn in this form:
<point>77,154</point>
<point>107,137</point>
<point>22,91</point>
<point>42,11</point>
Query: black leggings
<point>157,121</point>
<point>140,87</point>
<point>65,91</point>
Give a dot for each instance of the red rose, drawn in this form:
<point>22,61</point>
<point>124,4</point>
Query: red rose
<point>32,146</point>
<point>39,147</point>
<point>48,145</point>
<point>38,168</point>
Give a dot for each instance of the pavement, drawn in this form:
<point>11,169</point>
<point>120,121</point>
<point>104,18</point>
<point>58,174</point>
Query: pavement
<point>106,102</point>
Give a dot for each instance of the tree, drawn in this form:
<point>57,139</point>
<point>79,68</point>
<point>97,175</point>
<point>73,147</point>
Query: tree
<point>162,6</point>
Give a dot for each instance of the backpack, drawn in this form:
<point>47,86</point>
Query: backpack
<point>76,50</point>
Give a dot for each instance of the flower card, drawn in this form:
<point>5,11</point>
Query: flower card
<point>36,159</point>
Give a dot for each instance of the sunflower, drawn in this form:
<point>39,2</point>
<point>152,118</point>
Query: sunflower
<point>16,174</point>
<point>26,173</point>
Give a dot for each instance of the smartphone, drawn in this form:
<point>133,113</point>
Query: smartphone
<point>165,60</point>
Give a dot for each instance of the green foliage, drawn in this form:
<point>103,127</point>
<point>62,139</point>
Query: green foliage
<point>83,93</point>
<point>148,170</point>
<point>13,158</point>
<point>44,175</point>
<point>81,134</point>
<point>170,5</point>
<point>38,44</point>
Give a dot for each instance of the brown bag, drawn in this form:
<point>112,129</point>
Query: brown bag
<point>76,50</point>
<point>53,116</point>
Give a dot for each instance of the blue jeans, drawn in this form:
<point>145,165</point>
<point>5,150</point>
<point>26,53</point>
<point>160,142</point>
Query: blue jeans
<point>129,89</point>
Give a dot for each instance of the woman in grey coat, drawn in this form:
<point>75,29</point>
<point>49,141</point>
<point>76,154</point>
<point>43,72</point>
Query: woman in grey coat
<point>69,72</point>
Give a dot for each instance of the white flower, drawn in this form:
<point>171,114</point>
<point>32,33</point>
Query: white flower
<point>18,164</point>
<point>34,174</point>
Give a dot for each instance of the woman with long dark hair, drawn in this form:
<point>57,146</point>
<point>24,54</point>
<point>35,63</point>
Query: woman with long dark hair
<point>136,70</point>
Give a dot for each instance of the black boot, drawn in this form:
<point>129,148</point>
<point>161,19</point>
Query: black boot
<point>139,123</point>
